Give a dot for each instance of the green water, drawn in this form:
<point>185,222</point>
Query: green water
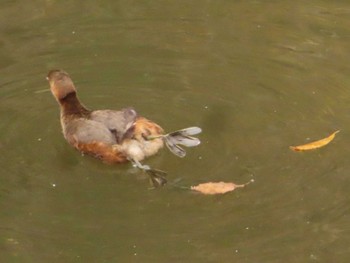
<point>257,76</point>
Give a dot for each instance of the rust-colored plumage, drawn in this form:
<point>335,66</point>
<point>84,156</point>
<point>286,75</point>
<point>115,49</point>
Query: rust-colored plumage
<point>113,136</point>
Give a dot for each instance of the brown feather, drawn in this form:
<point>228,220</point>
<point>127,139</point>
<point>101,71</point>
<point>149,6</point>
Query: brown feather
<point>102,151</point>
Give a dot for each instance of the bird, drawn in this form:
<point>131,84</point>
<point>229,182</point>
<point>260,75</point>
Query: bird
<point>115,136</point>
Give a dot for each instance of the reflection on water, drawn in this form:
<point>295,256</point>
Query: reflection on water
<point>256,76</point>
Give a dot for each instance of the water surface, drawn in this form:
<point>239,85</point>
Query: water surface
<point>257,76</point>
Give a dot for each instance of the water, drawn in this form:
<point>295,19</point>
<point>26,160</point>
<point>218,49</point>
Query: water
<point>257,76</point>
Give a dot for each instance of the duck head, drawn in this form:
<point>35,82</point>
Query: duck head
<point>60,84</point>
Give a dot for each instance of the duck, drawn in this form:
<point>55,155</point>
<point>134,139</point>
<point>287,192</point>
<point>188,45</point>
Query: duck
<point>115,136</point>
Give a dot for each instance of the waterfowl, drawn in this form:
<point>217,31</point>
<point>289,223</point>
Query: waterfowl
<point>114,136</point>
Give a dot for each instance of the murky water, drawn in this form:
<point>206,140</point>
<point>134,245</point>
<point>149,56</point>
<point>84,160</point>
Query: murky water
<point>257,76</point>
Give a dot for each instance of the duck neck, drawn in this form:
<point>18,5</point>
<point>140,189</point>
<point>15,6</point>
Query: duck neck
<point>70,105</point>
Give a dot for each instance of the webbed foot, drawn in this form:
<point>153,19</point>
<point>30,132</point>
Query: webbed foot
<point>157,177</point>
<point>182,137</point>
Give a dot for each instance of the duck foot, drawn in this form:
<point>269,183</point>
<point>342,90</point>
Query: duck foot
<point>182,137</point>
<point>157,177</point>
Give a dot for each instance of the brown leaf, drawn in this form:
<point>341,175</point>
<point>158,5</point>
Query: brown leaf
<point>315,144</point>
<point>213,188</point>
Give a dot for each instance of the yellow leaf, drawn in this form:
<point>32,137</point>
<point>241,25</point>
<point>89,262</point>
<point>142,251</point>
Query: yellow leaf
<point>213,188</point>
<point>315,144</point>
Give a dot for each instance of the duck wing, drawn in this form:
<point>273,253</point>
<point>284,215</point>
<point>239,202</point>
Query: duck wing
<point>118,122</point>
<point>82,130</point>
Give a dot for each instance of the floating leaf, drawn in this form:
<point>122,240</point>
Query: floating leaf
<point>213,188</point>
<point>315,144</point>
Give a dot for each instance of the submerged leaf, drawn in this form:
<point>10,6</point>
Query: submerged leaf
<point>315,144</point>
<point>213,188</point>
